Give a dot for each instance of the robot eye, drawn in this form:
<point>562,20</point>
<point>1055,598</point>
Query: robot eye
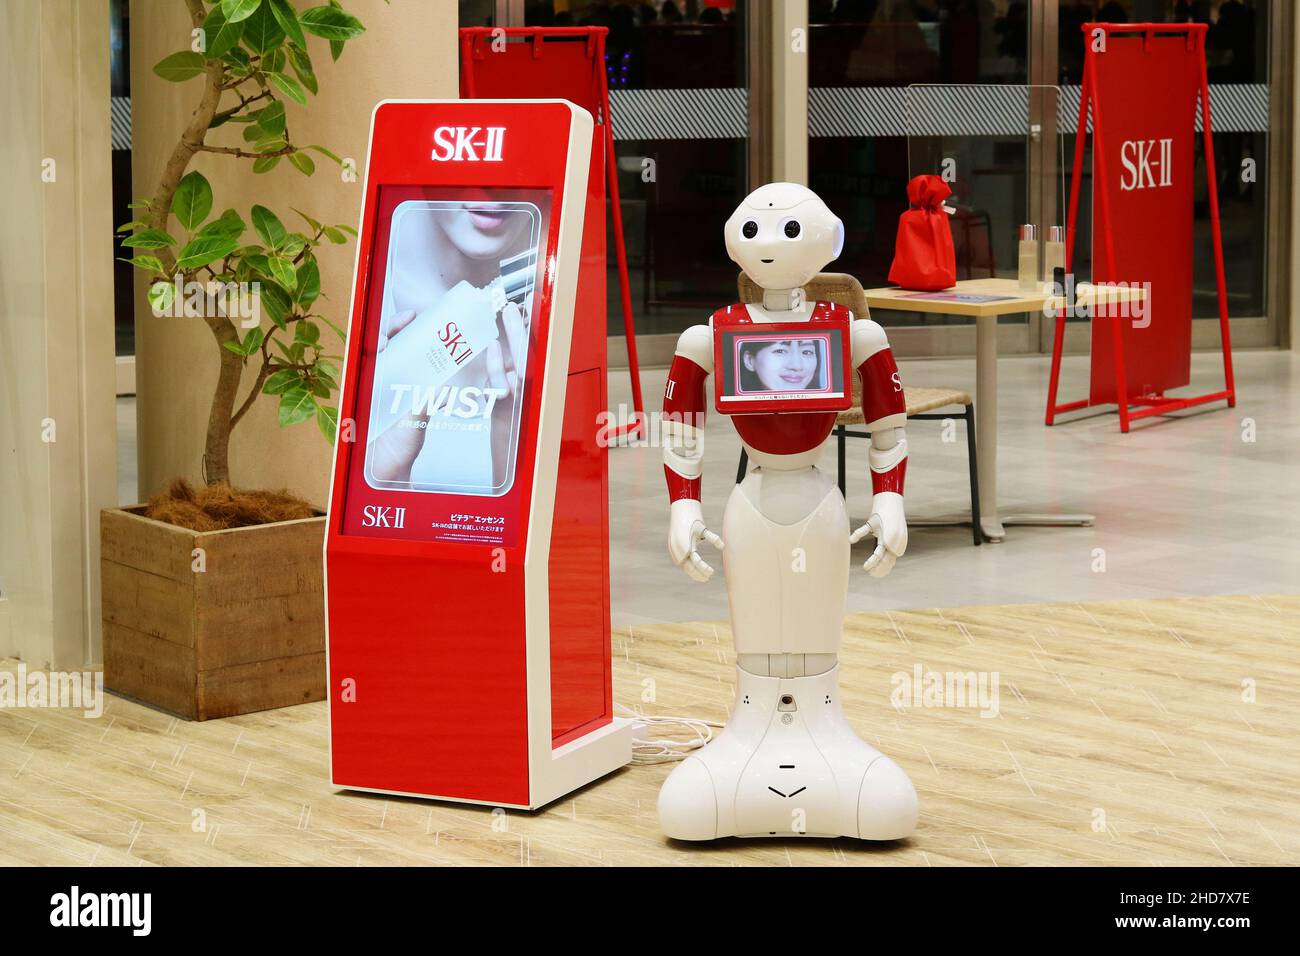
<point>749,230</point>
<point>791,229</point>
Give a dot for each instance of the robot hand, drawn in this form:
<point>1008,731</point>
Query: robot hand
<point>686,529</point>
<point>888,525</point>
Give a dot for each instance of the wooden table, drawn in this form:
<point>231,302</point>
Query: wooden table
<point>1010,301</point>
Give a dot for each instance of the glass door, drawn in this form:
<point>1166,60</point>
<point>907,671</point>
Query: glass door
<point>679,94</point>
<point>867,61</point>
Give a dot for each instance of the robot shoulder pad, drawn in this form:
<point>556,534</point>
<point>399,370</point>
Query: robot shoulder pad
<point>868,339</point>
<point>696,344</point>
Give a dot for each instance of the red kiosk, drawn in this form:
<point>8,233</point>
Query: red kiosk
<point>1143,162</point>
<point>568,63</point>
<point>467,549</point>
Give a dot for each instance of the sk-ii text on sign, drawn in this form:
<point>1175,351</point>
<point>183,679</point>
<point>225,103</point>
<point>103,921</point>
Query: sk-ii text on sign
<point>468,144</point>
<point>1148,164</point>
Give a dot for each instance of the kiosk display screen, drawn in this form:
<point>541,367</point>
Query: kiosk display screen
<point>446,362</point>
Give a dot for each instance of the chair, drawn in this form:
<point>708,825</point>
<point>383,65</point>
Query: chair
<point>845,290</point>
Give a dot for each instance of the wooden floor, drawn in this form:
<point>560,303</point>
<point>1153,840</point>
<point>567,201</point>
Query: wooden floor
<point>1125,734</point>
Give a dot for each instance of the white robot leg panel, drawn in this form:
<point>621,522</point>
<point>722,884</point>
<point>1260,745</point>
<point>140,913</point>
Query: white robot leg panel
<point>788,765</point>
<point>786,567</point>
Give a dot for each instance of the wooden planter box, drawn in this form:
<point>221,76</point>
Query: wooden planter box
<point>247,633</point>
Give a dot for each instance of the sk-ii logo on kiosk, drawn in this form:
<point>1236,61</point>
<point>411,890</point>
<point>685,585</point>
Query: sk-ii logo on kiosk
<point>1148,164</point>
<point>383,516</point>
<point>468,144</point>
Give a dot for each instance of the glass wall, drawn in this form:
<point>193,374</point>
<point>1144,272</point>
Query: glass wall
<point>679,96</point>
<point>1237,60</point>
<point>863,56</point>
<point>680,71</point>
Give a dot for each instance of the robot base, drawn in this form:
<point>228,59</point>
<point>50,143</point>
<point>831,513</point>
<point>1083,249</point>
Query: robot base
<point>787,764</point>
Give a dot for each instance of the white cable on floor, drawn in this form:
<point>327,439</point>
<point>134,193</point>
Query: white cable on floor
<point>650,750</point>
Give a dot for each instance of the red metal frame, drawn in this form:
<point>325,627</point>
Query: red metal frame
<point>471,49</point>
<point>1147,405</point>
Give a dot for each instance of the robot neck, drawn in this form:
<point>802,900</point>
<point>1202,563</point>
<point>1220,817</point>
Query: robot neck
<point>783,300</point>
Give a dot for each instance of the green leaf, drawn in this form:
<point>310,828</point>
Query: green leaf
<point>238,58</point>
<point>262,34</point>
<point>275,301</point>
<point>283,271</point>
<point>296,405</point>
<point>139,204</point>
<point>341,333</point>
<point>315,226</point>
<point>294,243</point>
<point>308,285</point>
<point>335,235</point>
<point>180,66</point>
<point>325,152</point>
<point>237,10</point>
<point>193,200</point>
<point>269,227</point>
<point>350,230</point>
<point>290,87</point>
<point>302,66</point>
<point>270,119</point>
<point>253,340</point>
<point>228,223</point>
<point>287,17</point>
<point>277,383</point>
<point>220,33</point>
<point>152,263</point>
<point>161,295</point>
<point>328,420</point>
<point>234,346</point>
<point>331,23</point>
<point>264,164</point>
<point>303,163</point>
<point>149,239</point>
<point>308,333</point>
<point>336,49</point>
<point>274,61</point>
<point>199,251</point>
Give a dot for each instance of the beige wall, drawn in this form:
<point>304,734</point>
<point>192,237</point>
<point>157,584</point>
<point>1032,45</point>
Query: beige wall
<point>56,327</point>
<point>408,51</point>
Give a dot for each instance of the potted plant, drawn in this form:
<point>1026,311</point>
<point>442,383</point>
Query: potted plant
<point>213,597</point>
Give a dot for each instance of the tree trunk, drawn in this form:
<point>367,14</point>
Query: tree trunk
<point>216,450</point>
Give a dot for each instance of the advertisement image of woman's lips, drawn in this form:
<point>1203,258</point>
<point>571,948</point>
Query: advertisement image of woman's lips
<point>488,219</point>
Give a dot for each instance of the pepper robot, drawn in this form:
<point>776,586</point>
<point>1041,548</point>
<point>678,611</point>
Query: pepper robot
<point>787,763</point>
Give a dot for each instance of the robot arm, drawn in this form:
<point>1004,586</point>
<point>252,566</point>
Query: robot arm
<point>885,410</point>
<point>682,433</point>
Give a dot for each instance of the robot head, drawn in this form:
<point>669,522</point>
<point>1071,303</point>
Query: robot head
<point>782,235</point>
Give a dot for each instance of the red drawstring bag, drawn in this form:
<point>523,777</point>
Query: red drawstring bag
<point>923,255</point>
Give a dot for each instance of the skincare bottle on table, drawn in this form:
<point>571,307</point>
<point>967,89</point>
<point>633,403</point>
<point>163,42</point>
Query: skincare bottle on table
<point>1053,251</point>
<point>1028,265</point>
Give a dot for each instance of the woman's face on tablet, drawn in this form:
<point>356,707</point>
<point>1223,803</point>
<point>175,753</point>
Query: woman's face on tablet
<point>787,365</point>
<point>484,230</point>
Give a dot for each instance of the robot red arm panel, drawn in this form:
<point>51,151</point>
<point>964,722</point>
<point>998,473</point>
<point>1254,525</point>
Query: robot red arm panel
<point>884,404</point>
<point>683,413</point>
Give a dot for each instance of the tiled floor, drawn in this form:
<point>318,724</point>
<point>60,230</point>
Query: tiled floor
<point>1184,506</point>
